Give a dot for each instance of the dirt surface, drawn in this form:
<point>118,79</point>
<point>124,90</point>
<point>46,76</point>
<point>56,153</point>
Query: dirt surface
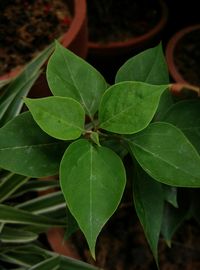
<point>111,20</point>
<point>27,27</point>
<point>122,246</point>
<point>187,57</point>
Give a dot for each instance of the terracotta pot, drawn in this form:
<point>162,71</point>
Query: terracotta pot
<point>174,71</point>
<point>107,58</point>
<point>121,47</point>
<point>74,39</point>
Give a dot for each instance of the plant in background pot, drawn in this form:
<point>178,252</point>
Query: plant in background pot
<point>87,128</point>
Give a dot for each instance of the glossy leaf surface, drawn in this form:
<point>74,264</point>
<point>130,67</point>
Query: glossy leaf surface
<point>93,181</point>
<point>60,117</point>
<point>149,203</point>
<point>148,66</point>
<point>128,107</point>
<point>166,154</point>
<point>28,149</point>
<point>186,116</point>
<point>70,76</point>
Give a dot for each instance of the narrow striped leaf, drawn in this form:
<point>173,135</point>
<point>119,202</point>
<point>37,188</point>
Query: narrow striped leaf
<point>52,263</point>
<point>44,204</point>
<point>13,215</point>
<point>11,235</point>
<point>10,185</point>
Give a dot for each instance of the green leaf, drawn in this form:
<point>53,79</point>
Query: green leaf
<point>16,236</point>
<point>128,107</point>
<point>60,117</point>
<point>70,76</point>
<point>25,149</point>
<point>170,194</point>
<point>172,220</point>
<point>35,185</point>
<point>149,203</point>
<point>11,99</point>
<point>166,155</point>
<point>92,180</point>
<point>148,66</point>
<point>166,101</point>
<point>186,116</point>
<point>17,216</point>
<point>52,263</point>
<point>44,204</point>
<point>95,138</point>
<point>10,185</point>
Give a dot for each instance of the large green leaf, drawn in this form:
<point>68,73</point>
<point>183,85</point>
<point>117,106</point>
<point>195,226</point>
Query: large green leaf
<point>186,116</point>
<point>166,154</point>
<point>60,117</point>
<point>70,76</point>
<point>148,66</point>
<point>149,203</point>
<point>25,149</point>
<point>93,181</point>
<point>128,107</point>
<point>11,215</point>
<point>11,99</point>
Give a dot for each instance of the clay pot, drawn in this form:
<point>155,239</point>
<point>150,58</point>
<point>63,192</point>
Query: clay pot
<point>108,57</point>
<point>74,39</point>
<point>171,47</point>
<point>121,47</point>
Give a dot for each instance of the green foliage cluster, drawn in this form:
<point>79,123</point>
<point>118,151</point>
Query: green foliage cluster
<point>85,130</point>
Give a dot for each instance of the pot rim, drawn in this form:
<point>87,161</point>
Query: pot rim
<point>169,52</point>
<point>136,41</point>
<point>66,39</point>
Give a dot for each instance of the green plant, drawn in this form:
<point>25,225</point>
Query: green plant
<point>25,217</point>
<point>87,128</point>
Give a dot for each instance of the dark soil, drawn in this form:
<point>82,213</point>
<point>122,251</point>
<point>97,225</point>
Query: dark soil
<point>187,57</point>
<point>118,20</point>
<point>27,27</point>
<point>122,246</point>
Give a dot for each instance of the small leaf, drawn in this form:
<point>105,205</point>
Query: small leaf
<point>25,149</point>
<point>95,138</point>
<point>128,107</point>
<point>149,203</point>
<point>148,66</point>
<point>70,76</point>
<point>166,155</point>
<point>186,116</point>
<point>60,117</point>
<point>92,181</point>
<point>172,220</point>
<point>170,194</point>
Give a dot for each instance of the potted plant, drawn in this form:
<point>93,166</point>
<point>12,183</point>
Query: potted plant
<point>25,217</point>
<point>31,32</point>
<point>136,116</point>
<point>182,55</point>
<point>119,29</point>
